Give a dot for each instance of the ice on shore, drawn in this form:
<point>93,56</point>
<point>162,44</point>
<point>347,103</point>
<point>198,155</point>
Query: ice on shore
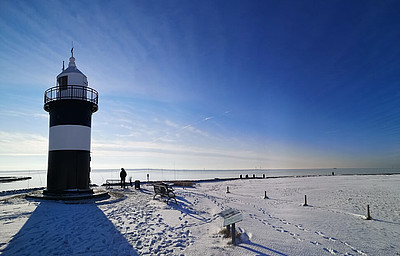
<point>132,223</point>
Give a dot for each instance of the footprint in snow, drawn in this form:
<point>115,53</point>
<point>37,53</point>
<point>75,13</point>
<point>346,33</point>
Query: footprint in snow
<point>331,251</point>
<point>321,234</point>
<point>299,227</point>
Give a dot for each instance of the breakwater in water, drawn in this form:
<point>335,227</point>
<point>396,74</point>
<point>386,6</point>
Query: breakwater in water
<point>99,176</point>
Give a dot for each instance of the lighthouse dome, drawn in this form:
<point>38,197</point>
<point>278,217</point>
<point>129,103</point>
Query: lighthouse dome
<point>71,75</point>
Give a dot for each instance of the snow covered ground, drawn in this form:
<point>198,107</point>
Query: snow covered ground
<point>132,223</point>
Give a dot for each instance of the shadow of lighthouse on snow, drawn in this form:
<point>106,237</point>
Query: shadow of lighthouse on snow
<point>57,228</point>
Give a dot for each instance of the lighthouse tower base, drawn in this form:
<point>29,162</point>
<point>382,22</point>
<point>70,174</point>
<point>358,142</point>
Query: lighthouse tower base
<point>69,192</point>
<point>93,194</point>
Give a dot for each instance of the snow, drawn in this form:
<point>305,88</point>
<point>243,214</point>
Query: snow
<point>131,222</point>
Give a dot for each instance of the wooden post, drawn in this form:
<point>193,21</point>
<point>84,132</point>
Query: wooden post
<point>227,190</point>
<point>305,200</point>
<point>231,216</point>
<point>228,229</point>
<point>265,195</point>
<point>368,214</point>
<point>233,234</point>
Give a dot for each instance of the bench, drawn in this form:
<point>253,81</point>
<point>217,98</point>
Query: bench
<point>111,182</point>
<point>164,190</point>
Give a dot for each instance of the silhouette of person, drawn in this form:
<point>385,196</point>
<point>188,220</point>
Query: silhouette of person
<point>122,174</point>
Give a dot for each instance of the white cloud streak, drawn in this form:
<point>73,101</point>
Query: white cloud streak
<point>22,144</point>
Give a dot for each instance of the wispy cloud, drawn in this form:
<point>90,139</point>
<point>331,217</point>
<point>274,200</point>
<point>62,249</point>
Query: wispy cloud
<point>119,148</point>
<point>22,144</point>
<point>160,154</point>
<point>177,130</point>
<point>23,113</point>
<point>194,130</point>
<point>172,124</point>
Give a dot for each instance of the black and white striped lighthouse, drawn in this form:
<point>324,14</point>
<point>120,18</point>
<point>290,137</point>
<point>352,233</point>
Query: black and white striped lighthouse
<point>70,105</point>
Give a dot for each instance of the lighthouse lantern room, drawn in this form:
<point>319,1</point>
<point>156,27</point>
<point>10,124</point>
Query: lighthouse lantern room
<point>70,105</point>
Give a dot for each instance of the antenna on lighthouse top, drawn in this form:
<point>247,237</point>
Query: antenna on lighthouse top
<point>72,59</point>
<point>63,66</point>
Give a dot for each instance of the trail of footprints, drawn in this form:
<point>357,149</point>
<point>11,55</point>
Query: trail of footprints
<point>270,220</point>
<point>146,230</point>
<point>150,240</point>
<point>283,226</point>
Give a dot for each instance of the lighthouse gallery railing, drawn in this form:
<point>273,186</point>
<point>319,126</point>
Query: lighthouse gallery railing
<point>75,92</point>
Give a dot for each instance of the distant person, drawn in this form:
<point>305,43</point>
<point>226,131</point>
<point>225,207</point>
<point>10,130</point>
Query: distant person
<point>122,174</point>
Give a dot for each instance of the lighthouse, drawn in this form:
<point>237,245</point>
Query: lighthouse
<point>70,105</point>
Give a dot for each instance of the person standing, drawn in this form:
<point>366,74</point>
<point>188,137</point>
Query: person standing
<point>122,174</point>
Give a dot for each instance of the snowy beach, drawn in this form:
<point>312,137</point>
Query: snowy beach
<point>131,222</point>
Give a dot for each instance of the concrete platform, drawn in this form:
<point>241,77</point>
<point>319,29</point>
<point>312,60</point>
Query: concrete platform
<point>97,194</point>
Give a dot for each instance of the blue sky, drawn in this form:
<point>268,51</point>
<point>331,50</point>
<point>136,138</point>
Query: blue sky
<point>209,84</point>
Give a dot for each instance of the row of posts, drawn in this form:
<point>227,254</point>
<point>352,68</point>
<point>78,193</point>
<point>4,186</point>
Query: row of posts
<point>247,176</point>
<point>368,217</point>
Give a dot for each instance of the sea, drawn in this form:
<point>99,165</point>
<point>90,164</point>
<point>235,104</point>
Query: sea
<point>99,176</point>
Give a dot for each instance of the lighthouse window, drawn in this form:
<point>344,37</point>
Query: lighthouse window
<point>62,82</point>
